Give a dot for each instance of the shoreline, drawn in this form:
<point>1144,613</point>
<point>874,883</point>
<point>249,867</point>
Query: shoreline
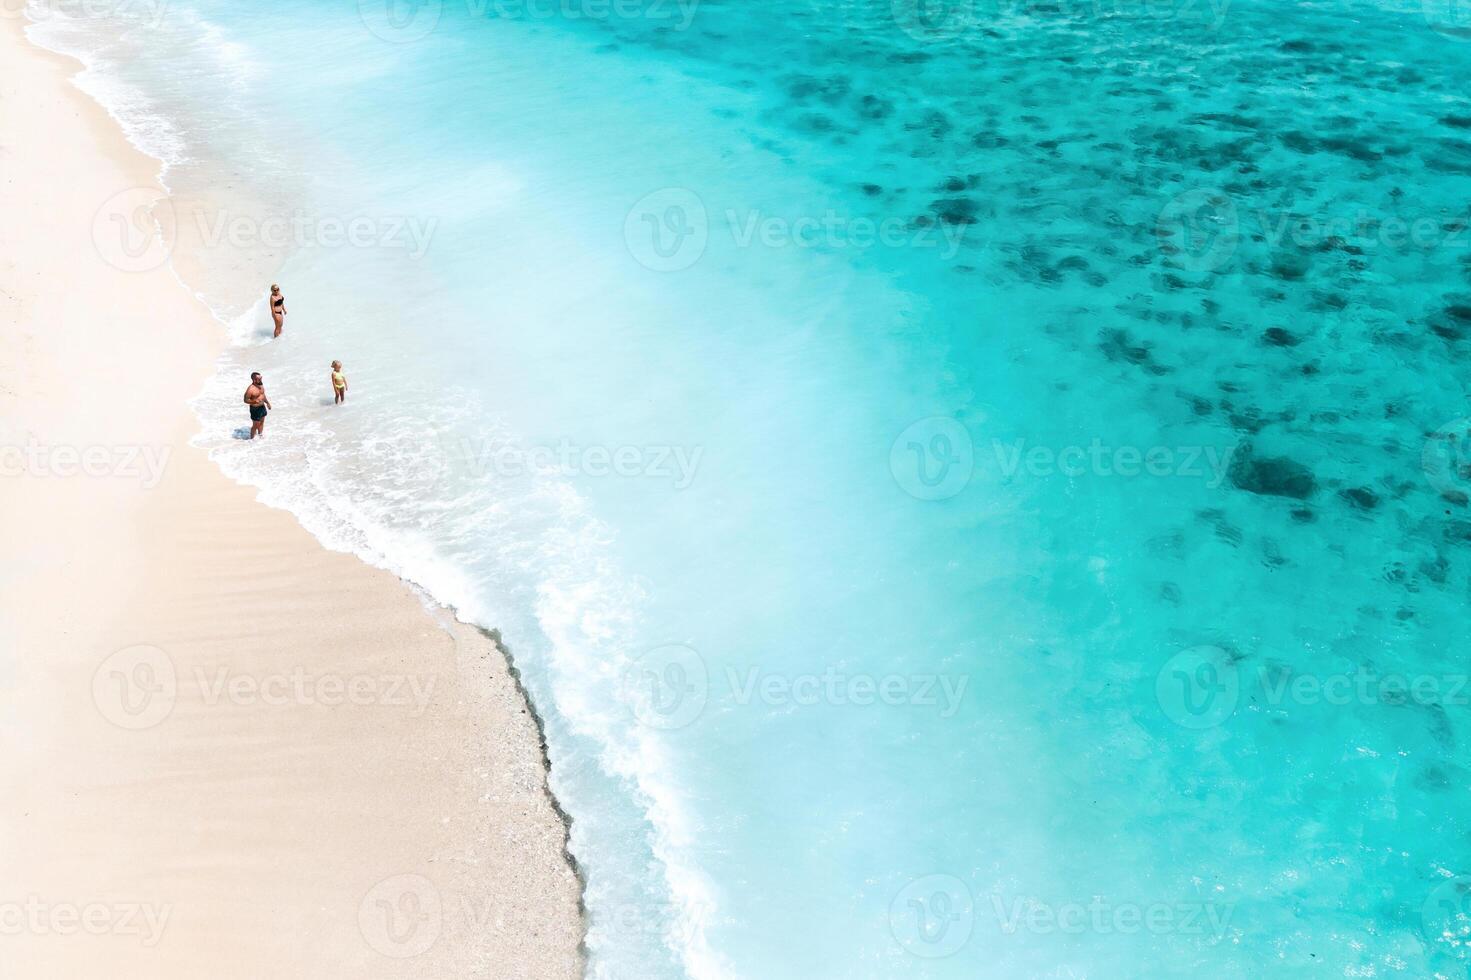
<point>177,632</point>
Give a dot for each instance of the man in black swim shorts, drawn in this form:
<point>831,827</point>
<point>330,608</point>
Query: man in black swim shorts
<point>255,397</point>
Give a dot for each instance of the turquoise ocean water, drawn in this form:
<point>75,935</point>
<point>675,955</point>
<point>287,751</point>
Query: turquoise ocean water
<point>973,489</point>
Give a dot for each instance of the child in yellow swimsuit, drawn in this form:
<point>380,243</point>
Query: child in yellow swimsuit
<point>339,383</point>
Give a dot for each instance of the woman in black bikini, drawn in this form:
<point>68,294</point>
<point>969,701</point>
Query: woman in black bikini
<point>278,307</point>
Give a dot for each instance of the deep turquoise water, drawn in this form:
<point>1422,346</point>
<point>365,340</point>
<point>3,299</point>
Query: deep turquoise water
<point>970,488</point>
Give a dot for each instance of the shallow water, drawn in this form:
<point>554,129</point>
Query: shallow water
<point>967,485</point>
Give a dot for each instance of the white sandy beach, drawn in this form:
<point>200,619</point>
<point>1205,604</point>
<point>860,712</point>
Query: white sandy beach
<point>226,751</point>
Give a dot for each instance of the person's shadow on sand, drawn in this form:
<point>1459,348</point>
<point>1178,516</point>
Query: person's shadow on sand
<point>241,433</point>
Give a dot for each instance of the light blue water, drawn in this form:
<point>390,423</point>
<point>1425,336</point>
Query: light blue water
<point>882,652</point>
